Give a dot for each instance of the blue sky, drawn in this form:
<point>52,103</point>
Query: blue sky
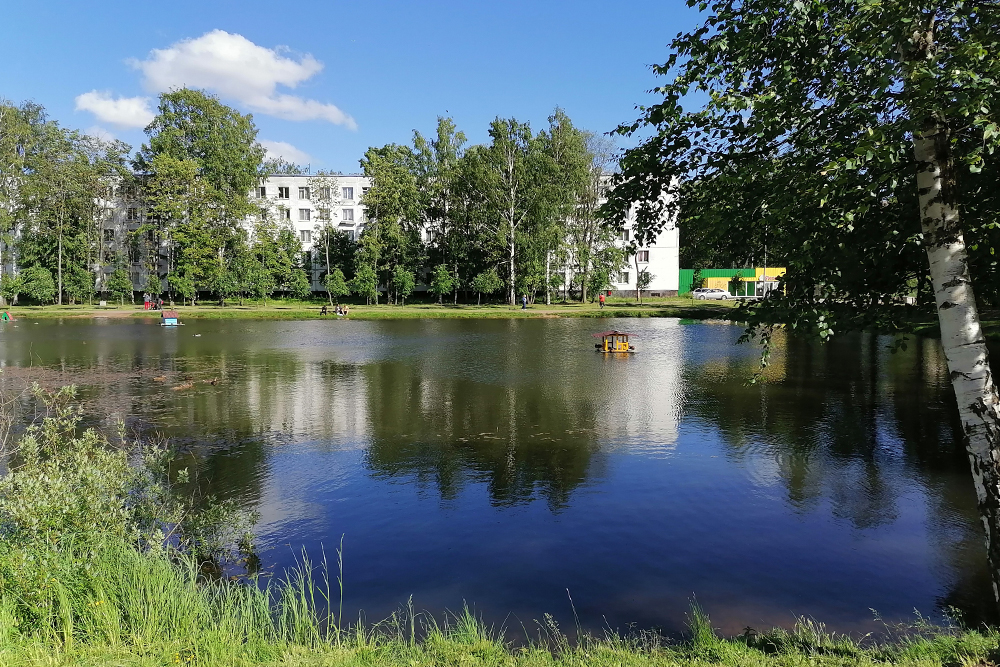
<point>325,80</point>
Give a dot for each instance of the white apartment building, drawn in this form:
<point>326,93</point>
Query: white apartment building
<point>294,199</point>
<point>661,260</point>
<point>307,202</point>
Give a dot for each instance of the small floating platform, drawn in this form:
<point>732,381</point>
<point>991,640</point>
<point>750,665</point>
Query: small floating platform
<point>168,318</point>
<point>613,342</point>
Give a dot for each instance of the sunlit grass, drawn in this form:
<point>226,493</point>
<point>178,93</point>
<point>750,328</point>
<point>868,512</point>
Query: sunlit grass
<point>296,310</point>
<point>139,608</point>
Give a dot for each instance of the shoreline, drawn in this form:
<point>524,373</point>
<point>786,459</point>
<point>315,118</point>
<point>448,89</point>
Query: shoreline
<point>672,307</point>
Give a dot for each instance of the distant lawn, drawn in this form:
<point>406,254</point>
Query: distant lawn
<point>683,307</point>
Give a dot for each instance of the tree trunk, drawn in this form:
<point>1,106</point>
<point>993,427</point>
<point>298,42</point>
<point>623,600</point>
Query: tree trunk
<point>326,234</point>
<point>3,300</point>
<point>961,334</point>
<point>638,292</point>
<point>548,256</point>
<point>59,292</point>
<point>513,297</point>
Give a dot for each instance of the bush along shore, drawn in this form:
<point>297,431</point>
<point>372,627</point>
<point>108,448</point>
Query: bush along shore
<point>106,558</point>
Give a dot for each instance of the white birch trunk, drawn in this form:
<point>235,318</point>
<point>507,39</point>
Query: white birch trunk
<point>961,334</point>
<point>548,258</point>
<point>511,262</point>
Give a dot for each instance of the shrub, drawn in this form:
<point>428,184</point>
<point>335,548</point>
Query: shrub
<point>74,495</point>
<point>37,283</point>
<point>119,285</point>
<point>403,282</point>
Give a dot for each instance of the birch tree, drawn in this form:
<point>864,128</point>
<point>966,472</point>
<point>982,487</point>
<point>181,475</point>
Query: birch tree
<point>436,163</point>
<point>392,206</point>
<point>325,190</point>
<point>855,117</point>
<point>590,241</point>
<point>511,182</point>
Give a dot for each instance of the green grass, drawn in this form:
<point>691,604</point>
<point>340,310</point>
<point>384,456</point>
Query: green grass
<point>296,310</point>
<point>137,608</point>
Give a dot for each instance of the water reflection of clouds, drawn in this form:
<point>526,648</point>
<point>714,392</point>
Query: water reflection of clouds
<point>501,462</point>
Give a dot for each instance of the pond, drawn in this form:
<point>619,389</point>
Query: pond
<point>506,465</point>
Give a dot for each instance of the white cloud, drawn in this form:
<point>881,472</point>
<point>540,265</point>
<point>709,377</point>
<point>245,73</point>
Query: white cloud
<point>122,111</point>
<point>235,68</point>
<point>100,133</point>
<point>285,151</point>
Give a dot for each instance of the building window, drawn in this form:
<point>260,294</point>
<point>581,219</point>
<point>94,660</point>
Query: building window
<point>305,236</point>
<point>303,193</point>
<point>283,193</point>
<point>642,256</point>
<point>304,214</point>
<point>132,214</point>
<point>624,235</point>
<point>323,213</point>
<point>109,236</point>
<point>324,194</point>
<point>285,213</point>
<point>364,191</point>
<point>350,234</point>
<point>262,192</point>
<point>348,215</point>
<point>348,193</point>
<point>623,278</point>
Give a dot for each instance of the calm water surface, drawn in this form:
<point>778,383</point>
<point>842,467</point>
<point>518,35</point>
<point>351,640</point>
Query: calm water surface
<point>502,463</point>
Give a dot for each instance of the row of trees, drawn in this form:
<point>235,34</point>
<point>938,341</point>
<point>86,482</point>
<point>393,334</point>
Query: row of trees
<point>79,214</point>
<point>513,216</point>
<point>53,198</point>
<point>517,214</point>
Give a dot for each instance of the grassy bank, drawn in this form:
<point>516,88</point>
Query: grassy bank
<point>89,576</point>
<point>138,609</point>
<point>103,553</point>
<point>297,310</point>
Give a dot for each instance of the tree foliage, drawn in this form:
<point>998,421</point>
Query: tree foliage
<point>803,148</point>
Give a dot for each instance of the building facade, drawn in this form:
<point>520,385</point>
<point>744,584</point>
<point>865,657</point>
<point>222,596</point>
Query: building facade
<point>308,203</point>
<point>311,202</point>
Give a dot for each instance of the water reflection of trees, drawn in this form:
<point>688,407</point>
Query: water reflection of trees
<point>854,425</point>
<point>446,431</point>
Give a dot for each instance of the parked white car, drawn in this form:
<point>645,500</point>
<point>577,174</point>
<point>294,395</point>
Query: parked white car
<point>704,293</point>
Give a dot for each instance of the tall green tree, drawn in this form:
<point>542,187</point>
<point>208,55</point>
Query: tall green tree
<point>391,233</point>
<point>17,134</point>
<point>867,124</point>
<point>510,176</point>
<point>591,242</point>
<point>62,200</point>
<point>571,163</point>
<point>436,163</point>
<point>212,163</point>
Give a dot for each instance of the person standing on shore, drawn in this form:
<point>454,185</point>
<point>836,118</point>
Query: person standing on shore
<point>145,300</point>
<point>524,302</point>
<point>601,300</point>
